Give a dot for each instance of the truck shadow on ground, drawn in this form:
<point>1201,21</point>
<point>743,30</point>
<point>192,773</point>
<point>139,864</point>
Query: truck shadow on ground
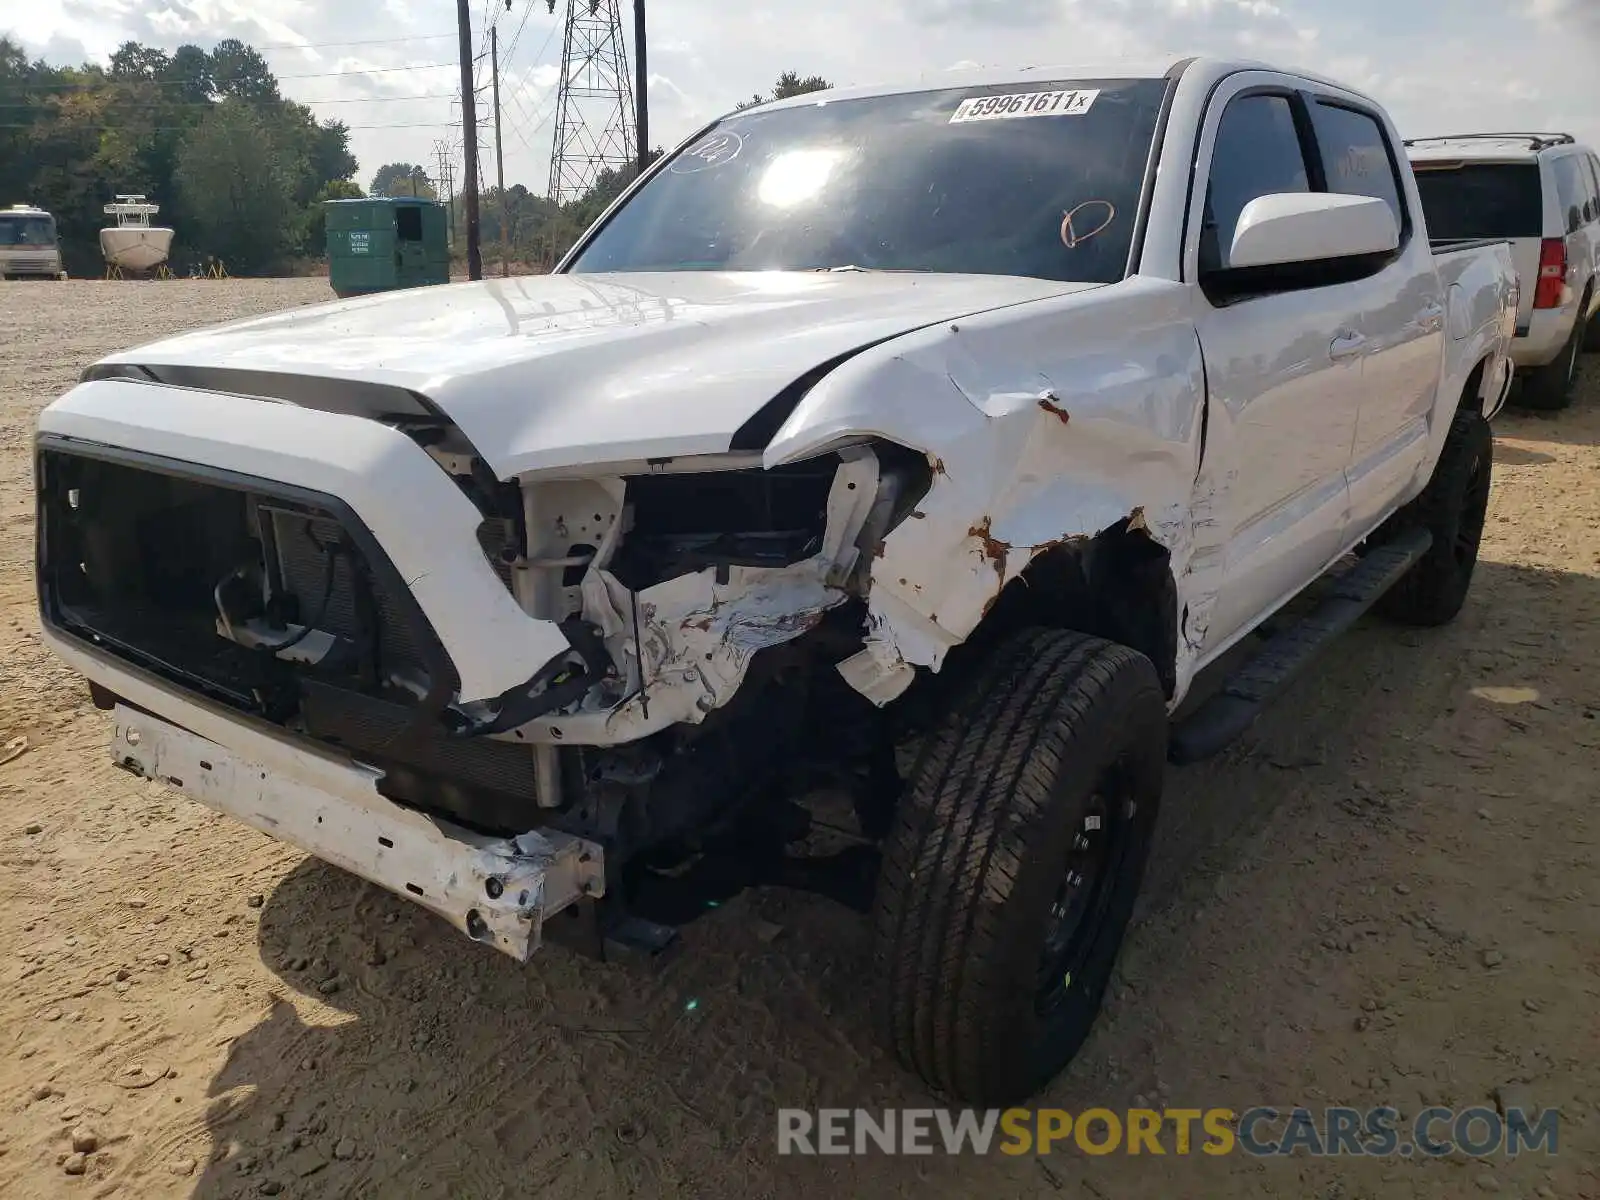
<point>1576,425</point>
<point>412,1062</point>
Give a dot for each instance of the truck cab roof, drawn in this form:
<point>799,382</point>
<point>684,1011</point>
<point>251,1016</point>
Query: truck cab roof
<point>976,76</point>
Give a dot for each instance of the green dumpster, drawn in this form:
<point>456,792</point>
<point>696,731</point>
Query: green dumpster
<point>386,242</point>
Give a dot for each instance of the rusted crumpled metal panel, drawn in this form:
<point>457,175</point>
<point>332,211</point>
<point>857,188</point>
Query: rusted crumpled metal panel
<point>1035,441</point>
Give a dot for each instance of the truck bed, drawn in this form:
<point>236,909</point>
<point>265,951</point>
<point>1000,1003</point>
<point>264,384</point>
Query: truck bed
<point>1444,246</point>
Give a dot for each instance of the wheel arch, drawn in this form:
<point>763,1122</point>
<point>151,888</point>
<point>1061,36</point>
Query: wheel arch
<point>1117,585</point>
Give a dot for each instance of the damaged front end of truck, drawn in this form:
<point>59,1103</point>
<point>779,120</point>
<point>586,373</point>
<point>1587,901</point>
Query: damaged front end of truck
<point>652,659</point>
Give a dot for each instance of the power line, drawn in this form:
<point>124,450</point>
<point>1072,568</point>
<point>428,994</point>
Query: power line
<point>525,137</point>
<point>421,37</point>
<point>521,25</point>
<point>107,80</point>
<point>380,99</point>
<point>168,105</point>
<point>70,128</point>
<point>517,132</point>
<point>371,71</point>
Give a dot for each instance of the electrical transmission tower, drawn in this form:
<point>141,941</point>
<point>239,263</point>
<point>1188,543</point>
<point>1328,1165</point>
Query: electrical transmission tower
<point>594,100</point>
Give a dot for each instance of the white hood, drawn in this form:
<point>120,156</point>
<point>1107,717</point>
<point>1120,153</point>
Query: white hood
<point>556,371</point>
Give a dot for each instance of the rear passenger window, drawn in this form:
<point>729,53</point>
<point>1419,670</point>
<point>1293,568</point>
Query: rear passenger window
<point>1572,191</point>
<point>1355,156</point>
<point>1594,188</point>
<point>1499,200</point>
<point>1257,154</point>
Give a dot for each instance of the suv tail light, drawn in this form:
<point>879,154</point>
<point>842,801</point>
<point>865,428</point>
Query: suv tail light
<point>1552,274</point>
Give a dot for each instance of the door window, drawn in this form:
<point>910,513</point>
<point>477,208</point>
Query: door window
<point>1257,154</point>
<point>1355,156</point>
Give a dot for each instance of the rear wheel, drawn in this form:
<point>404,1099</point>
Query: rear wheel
<point>1549,388</point>
<point>1013,865</point>
<point>1453,508</point>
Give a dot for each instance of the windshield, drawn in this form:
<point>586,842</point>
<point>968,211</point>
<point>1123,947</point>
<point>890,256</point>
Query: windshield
<point>1041,179</point>
<point>1481,200</point>
<point>27,231</point>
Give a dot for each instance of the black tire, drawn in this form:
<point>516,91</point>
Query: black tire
<point>1549,388</point>
<point>1050,766</point>
<point>1453,508</point>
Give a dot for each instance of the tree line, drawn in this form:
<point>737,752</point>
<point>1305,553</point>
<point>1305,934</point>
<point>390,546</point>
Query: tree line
<point>239,170</point>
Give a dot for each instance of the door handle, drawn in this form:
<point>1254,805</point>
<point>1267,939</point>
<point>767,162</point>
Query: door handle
<point>1347,346</point>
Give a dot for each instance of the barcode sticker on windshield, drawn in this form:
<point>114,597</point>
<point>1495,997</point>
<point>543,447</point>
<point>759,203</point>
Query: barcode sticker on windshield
<point>1072,103</point>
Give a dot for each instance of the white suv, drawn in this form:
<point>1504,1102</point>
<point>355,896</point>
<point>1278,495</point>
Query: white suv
<point>1540,191</point>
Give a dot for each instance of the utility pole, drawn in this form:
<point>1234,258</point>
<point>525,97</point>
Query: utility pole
<point>641,89</point>
<point>500,155</point>
<point>469,130</point>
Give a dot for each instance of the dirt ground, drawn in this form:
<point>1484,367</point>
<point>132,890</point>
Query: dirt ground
<point>1388,893</point>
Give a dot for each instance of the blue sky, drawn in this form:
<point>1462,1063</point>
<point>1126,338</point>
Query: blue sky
<point>1440,65</point>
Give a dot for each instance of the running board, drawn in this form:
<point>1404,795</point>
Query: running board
<point>1234,708</point>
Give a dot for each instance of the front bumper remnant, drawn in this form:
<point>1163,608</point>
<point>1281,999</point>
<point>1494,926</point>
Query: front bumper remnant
<point>495,890</point>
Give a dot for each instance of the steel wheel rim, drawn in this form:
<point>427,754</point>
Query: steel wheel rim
<point>1083,897</point>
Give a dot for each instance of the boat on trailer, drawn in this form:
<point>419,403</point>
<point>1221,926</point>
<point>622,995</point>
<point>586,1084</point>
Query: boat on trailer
<point>133,244</point>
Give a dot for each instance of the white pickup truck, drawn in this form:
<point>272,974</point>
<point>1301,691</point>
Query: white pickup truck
<point>925,440</point>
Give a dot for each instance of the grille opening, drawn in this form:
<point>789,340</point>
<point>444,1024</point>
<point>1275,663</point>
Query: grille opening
<point>132,558</point>
<point>131,555</point>
<point>220,587</point>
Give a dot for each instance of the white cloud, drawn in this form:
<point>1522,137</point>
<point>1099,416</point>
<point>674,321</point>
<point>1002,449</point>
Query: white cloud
<point>1438,64</point>
<point>1567,13</point>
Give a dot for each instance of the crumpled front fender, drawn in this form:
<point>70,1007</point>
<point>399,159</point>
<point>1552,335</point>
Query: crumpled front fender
<point>1043,424</point>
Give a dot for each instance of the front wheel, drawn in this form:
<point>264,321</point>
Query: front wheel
<point>1015,858</point>
<point>1453,508</point>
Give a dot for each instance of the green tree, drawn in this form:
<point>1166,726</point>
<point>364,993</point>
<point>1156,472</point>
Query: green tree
<point>329,157</point>
<point>72,137</point>
<point>239,71</point>
<point>133,61</point>
<point>402,179</point>
<point>189,76</point>
<point>316,220</point>
<point>789,84</point>
<point>235,188</point>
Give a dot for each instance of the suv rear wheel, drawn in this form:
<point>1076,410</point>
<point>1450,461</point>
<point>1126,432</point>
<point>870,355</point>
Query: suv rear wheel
<point>1014,861</point>
<point>1549,388</point>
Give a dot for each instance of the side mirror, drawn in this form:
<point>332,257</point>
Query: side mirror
<point>1306,227</point>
